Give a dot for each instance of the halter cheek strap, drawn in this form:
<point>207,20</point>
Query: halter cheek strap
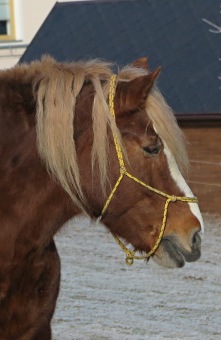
<point>131,255</point>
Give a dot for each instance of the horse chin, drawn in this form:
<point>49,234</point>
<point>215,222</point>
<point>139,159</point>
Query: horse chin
<point>171,254</point>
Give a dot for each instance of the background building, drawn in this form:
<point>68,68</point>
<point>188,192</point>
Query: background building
<point>19,22</point>
<point>174,34</point>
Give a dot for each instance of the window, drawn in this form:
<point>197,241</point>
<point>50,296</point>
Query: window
<point>7,29</point>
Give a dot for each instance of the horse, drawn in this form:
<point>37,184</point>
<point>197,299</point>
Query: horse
<point>76,138</point>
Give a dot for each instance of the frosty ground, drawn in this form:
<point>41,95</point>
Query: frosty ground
<point>101,298</point>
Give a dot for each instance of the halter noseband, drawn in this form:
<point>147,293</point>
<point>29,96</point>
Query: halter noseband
<point>130,255</point>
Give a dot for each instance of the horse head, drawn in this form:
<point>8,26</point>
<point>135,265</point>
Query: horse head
<point>135,212</point>
<point>138,157</point>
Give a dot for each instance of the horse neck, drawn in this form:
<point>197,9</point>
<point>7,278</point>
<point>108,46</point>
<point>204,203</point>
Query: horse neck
<point>32,205</point>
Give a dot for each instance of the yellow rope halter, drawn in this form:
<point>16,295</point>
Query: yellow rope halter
<point>130,255</point>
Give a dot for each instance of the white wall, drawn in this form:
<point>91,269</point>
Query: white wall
<point>29,16</point>
<point>32,14</point>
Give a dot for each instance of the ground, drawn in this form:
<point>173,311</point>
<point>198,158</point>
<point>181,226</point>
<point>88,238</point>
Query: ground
<point>101,298</point>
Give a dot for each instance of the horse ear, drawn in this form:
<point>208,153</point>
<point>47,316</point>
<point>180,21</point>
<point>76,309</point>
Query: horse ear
<point>132,95</point>
<point>141,63</point>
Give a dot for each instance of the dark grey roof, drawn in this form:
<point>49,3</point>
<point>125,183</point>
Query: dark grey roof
<point>184,36</point>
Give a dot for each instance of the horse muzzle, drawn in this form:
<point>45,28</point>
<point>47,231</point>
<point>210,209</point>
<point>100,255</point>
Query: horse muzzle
<point>172,254</point>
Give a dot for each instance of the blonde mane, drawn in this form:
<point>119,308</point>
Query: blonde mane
<point>57,87</point>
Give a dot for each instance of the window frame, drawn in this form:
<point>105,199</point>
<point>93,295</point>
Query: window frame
<point>11,36</point>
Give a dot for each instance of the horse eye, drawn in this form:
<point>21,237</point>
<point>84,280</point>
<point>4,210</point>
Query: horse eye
<point>151,150</point>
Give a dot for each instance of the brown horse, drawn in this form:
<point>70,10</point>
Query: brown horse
<point>58,157</point>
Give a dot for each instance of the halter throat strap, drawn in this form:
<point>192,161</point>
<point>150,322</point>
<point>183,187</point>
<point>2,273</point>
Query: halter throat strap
<point>131,255</point>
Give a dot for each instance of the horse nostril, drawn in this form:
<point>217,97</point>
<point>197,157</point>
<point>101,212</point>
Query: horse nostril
<point>196,241</point>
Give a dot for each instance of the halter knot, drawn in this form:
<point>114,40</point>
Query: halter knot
<point>123,170</point>
<point>129,260</point>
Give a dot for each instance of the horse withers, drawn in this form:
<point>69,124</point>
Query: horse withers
<point>75,138</point>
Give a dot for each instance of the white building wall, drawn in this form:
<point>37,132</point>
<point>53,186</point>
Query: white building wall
<point>29,16</point>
